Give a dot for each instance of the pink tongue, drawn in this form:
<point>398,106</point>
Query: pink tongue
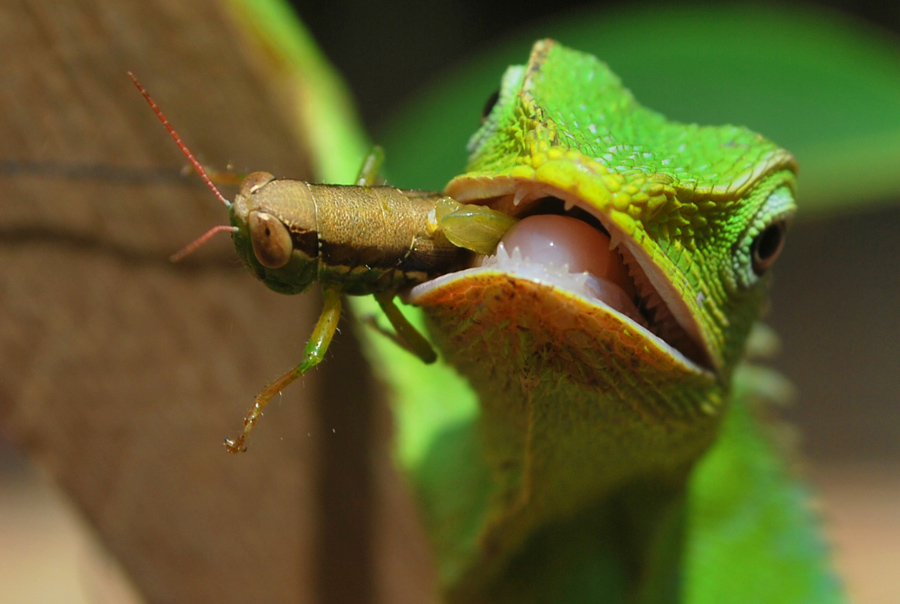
<point>560,240</point>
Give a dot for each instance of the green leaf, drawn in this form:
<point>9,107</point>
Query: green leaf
<point>821,84</point>
<point>321,111</point>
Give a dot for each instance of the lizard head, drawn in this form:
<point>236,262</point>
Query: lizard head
<point>644,246</point>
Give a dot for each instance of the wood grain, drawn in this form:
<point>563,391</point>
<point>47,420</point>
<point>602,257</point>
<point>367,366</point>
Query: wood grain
<point>121,373</point>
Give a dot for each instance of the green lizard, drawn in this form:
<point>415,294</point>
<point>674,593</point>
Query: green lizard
<point>614,454</point>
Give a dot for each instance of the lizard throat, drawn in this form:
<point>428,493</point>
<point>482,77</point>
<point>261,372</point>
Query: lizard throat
<point>562,243</point>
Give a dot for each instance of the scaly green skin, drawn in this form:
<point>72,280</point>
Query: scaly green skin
<point>577,478</point>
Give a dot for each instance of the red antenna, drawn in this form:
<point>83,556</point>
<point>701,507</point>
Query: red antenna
<point>196,243</point>
<point>178,141</point>
<point>191,247</point>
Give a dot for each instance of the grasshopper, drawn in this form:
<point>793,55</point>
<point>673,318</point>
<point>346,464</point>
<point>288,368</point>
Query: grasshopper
<point>354,240</point>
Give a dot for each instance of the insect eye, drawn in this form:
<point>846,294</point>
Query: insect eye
<point>270,239</point>
<point>767,246</point>
<point>489,105</point>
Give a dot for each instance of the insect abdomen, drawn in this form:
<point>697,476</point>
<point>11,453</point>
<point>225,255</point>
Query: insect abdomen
<point>376,239</point>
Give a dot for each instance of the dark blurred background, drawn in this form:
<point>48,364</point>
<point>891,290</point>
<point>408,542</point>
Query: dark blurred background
<point>387,51</point>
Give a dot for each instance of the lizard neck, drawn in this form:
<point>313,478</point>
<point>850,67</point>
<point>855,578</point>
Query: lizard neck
<point>563,426</point>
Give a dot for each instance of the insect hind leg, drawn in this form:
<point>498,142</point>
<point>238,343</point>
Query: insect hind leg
<point>315,350</point>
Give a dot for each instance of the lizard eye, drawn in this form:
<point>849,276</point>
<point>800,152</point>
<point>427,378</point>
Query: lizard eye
<point>489,105</point>
<point>270,239</point>
<point>767,246</point>
<point>761,244</point>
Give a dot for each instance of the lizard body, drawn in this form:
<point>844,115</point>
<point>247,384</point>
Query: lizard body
<point>575,474</point>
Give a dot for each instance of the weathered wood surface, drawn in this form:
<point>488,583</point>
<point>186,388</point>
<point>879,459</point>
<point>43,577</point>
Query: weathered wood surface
<point>121,373</point>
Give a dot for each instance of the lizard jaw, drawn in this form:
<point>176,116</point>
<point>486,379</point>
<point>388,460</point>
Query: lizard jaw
<point>635,290</point>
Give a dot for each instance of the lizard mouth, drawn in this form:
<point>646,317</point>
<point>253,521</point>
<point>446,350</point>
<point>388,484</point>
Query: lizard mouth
<point>566,243</point>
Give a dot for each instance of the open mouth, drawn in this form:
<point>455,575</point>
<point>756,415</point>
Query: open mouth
<point>561,241</point>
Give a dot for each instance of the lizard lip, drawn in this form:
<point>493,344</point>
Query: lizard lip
<point>564,242</point>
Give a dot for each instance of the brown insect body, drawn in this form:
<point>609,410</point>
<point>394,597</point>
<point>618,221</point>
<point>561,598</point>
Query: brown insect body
<point>357,240</point>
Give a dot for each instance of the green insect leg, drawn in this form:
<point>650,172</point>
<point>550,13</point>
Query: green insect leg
<point>312,356</point>
<point>368,173</point>
<point>406,336</point>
